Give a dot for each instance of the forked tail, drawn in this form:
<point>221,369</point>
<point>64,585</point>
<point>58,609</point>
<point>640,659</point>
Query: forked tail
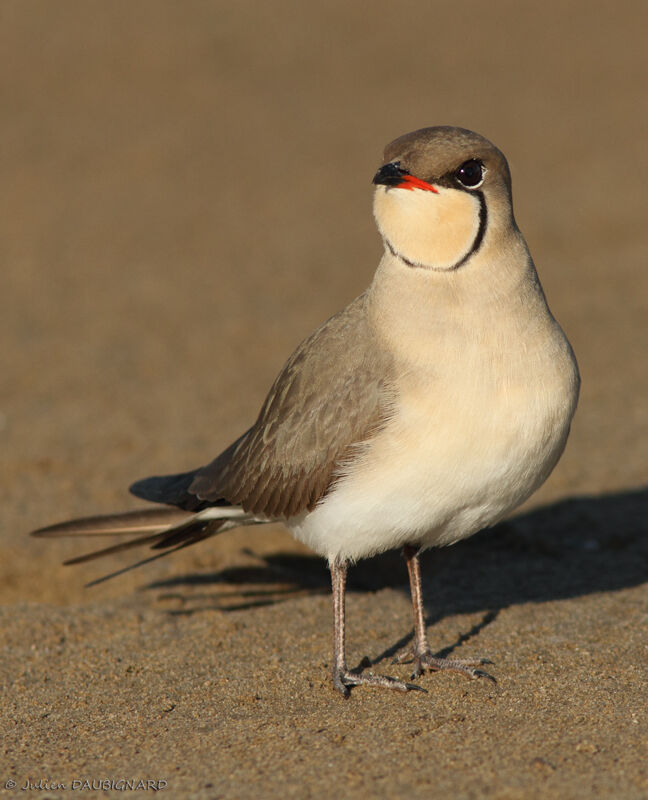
<point>163,529</point>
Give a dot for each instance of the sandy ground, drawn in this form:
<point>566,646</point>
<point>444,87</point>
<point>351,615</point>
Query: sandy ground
<point>185,193</point>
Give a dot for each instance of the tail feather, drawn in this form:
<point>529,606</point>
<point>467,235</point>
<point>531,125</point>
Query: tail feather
<point>142,521</point>
<point>130,567</point>
<point>168,529</point>
<point>115,548</point>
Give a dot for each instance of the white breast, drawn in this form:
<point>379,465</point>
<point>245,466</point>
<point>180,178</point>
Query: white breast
<point>474,433</point>
<point>443,468</point>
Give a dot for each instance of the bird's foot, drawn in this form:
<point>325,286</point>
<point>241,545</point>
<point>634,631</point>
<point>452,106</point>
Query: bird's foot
<point>345,679</point>
<point>426,660</point>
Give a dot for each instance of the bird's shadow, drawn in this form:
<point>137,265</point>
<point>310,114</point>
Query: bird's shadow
<point>570,548</point>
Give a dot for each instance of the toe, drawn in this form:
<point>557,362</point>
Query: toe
<point>344,681</point>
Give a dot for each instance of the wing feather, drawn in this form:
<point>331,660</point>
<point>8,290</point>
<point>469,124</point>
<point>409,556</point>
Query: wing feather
<point>333,394</point>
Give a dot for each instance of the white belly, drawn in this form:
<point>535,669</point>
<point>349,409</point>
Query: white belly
<point>457,456</point>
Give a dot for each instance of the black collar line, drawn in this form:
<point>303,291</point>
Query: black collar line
<point>479,238</point>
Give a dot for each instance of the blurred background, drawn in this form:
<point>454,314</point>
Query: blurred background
<point>186,193</point>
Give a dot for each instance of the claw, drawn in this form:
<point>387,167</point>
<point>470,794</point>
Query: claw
<point>416,687</point>
<point>479,673</point>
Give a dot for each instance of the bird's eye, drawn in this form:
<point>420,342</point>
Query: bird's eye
<point>470,173</point>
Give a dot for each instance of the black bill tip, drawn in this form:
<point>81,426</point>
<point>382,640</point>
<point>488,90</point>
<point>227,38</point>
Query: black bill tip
<point>390,174</point>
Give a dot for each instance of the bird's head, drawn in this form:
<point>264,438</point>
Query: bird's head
<point>439,193</point>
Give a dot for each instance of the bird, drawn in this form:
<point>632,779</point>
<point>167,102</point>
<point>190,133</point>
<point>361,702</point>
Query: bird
<point>426,410</point>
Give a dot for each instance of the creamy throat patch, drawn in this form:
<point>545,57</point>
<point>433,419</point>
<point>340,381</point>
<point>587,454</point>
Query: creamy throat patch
<point>435,230</point>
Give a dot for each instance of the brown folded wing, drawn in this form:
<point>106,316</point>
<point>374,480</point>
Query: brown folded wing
<point>333,394</point>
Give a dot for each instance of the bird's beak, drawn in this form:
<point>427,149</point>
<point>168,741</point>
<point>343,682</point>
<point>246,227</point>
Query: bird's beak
<point>395,177</point>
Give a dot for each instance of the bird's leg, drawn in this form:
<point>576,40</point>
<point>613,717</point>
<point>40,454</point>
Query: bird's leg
<point>343,678</point>
<point>420,653</point>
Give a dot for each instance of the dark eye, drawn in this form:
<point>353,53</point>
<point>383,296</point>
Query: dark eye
<point>470,173</point>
